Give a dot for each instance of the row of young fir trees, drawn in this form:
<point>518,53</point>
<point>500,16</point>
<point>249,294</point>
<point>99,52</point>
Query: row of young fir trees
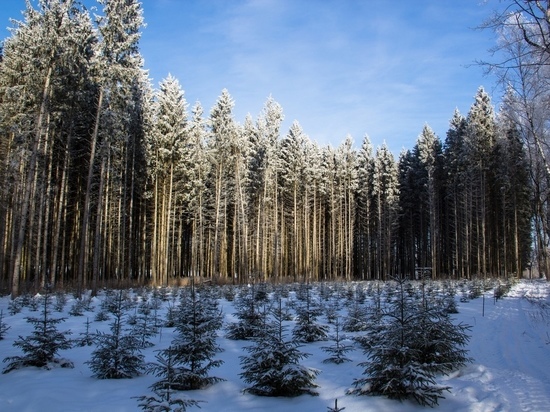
<point>183,366</point>
<point>404,329</point>
<point>104,179</point>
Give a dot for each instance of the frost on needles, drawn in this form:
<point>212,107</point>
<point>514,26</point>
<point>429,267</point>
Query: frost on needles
<point>194,346</point>
<point>273,365</point>
<point>416,342</point>
<point>118,353</point>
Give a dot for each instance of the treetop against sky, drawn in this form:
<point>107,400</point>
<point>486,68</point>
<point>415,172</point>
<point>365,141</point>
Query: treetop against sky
<point>338,67</point>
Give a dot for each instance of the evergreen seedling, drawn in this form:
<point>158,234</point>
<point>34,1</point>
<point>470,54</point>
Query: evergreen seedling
<point>336,408</point>
<point>356,319</point>
<point>273,365</point>
<point>15,306</point>
<point>248,314</point>
<point>43,344</point>
<point>195,346</point>
<point>413,345</point>
<point>80,305</point>
<point>307,328</point>
<point>77,309</point>
<point>145,325</point>
<point>3,327</point>
<point>332,311</point>
<point>34,303</point>
<point>228,292</point>
<point>171,314</point>
<point>60,301</point>
<point>338,350</point>
<point>166,396</point>
<point>117,354</point>
<point>86,339</point>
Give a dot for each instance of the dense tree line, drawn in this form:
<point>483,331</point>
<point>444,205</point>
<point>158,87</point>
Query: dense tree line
<point>103,179</point>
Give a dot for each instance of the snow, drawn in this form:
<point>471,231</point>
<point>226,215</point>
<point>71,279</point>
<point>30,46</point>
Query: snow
<point>510,346</point>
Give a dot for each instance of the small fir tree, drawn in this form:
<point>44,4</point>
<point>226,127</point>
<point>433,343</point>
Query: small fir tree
<point>86,338</point>
<point>43,344</point>
<point>228,292</point>
<point>288,314</point>
<point>165,390</point>
<point>113,303</point>
<point>117,301</point>
<point>145,325</point>
<point>359,294</point>
<point>332,310</point>
<point>158,296</point>
<point>336,408</point>
<point>248,315</point>
<point>171,315</point>
<point>60,301</point>
<point>374,324</point>
<point>81,305</point>
<point>261,294</point>
<point>415,344</point>
<point>337,351</point>
<point>355,321</point>
<point>3,326</point>
<point>326,292</point>
<point>273,365</point>
<point>102,315</point>
<point>303,292</point>
<point>449,300</point>
<point>15,306</point>
<point>77,309</point>
<point>195,346</point>
<point>34,303</point>
<point>307,328</point>
<point>117,354</point>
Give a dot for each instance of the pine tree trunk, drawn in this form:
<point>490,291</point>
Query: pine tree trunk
<point>98,232</point>
<point>131,240</point>
<point>87,200</point>
<point>169,226</point>
<point>5,207</point>
<point>29,188</point>
<point>216,250</point>
<point>154,240</point>
<point>46,233</point>
<point>59,210</point>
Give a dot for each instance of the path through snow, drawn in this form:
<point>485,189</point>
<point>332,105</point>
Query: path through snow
<point>511,369</point>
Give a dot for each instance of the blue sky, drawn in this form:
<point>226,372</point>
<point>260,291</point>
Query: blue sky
<point>377,67</point>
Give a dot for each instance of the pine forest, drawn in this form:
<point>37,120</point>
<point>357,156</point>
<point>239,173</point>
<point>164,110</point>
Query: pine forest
<point>106,180</point>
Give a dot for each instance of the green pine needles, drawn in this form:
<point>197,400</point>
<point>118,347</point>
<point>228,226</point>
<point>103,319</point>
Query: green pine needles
<point>415,343</point>
<point>42,345</point>
<point>273,367</point>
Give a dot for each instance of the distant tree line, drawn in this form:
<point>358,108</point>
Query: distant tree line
<point>104,179</point>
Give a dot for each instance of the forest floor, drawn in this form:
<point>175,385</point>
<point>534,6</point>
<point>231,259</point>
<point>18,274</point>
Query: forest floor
<point>510,347</point>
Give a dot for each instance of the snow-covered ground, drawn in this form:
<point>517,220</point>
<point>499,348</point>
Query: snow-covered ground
<point>510,346</point>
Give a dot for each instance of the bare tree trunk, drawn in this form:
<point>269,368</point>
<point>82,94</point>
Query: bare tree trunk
<point>28,189</point>
<point>168,226</point>
<point>59,210</point>
<point>98,232</point>
<point>46,233</point>
<point>276,235</point>
<point>258,252</point>
<point>154,240</point>
<point>216,249</point>
<point>131,241</point>
<point>5,210</point>
<point>87,200</point>
<point>243,226</point>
